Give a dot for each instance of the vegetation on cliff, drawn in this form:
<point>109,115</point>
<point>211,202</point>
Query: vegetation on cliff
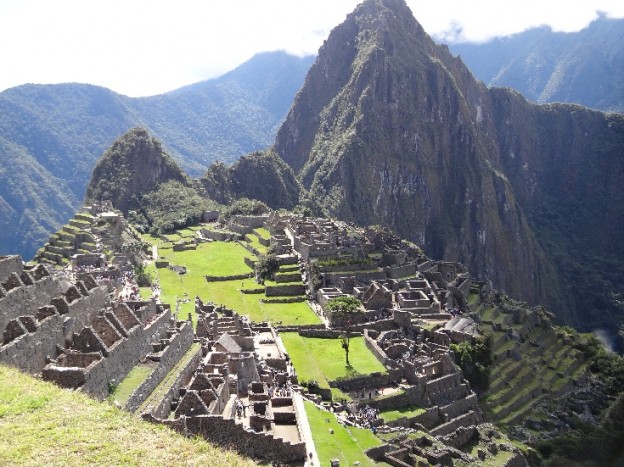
<point>260,175</point>
<point>134,166</point>
<point>55,134</point>
<point>585,68</point>
<point>391,129</point>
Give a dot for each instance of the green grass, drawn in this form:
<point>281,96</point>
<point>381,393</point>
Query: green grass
<point>346,443</point>
<point>408,411</point>
<point>213,259</point>
<point>227,293</point>
<point>256,245</point>
<point>130,383</point>
<point>222,259</point>
<point>41,424</point>
<point>323,360</point>
<point>263,233</point>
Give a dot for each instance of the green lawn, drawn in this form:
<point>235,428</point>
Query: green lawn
<point>130,383</point>
<point>323,360</point>
<point>213,259</point>
<point>346,443</point>
<point>222,259</point>
<point>254,242</point>
<point>263,233</point>
<point>228,294</point>
<point>407,411</point>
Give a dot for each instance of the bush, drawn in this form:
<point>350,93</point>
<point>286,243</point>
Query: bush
<point>266,266</point>
<point>475,361</point>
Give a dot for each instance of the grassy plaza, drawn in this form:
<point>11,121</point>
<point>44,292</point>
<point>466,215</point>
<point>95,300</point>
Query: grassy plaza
<point>344,443</point>
<point>220,259</point>
<point>323,360</point>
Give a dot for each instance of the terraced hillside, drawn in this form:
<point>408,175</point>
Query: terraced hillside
<point>86,233</point>
<point>533,362</point>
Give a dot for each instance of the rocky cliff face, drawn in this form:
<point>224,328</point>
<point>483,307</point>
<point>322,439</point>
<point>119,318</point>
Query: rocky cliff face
<point>390,128</point>
<point>133,166</point>
<point>260,175</point>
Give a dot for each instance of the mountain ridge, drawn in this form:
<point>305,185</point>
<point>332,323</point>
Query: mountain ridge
<point>412,141</point>
<point>65,128</point>
<point>585,67</point>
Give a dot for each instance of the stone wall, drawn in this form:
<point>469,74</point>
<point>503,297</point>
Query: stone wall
<point>460,437</point>
<point>410,396</point>
<point>254,222</point>
<point>278,290</point>
<point>373,380</point>
<point>170,356</point>
<point>395,272</point>
<point>161,407</point>
<point>220,235</point>
<point>324,333</point>
<point>228,434</point>
<point>465,420</point>
<point>228,278</point>
<point>52,325</point>
<point>28,352</point>
<point>459,406</point>
<point>377,351</point>
<point>9,264</point>
<point>333,279</point>
<point>121,357</point>
<point>288,277</point>
<point>26,299</point>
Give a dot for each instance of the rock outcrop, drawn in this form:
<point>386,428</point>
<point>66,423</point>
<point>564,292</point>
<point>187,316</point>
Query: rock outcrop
<point>134,165</point>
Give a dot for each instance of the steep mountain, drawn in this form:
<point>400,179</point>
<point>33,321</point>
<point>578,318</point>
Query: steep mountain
<point>134,166</point>
<point>261,175</point>
<point>63,129</point>
<point>586,67</point>
<point>391,128</point>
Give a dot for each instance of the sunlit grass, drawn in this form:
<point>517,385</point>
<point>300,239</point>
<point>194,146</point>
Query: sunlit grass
<point>41,424</point>
<point>345,443</point>
<point>323,360</point>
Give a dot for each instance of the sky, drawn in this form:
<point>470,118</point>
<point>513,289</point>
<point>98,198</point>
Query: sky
<point>147,47</point>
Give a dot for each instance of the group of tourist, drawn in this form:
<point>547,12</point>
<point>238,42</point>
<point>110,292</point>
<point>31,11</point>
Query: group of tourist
<point>455,312</point>
<point>364,416</point>
<point>280,390</point>
<point>383,314</point>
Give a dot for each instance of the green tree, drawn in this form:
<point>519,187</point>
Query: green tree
<point>342,309</point>
<point>266,267</point>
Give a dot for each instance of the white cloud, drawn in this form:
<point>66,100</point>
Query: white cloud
<point>143,47</point>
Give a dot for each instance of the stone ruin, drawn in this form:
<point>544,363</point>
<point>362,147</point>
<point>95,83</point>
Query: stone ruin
<point>238,394</point>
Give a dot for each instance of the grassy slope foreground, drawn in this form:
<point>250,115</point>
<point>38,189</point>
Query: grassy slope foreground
<point>41,424</point>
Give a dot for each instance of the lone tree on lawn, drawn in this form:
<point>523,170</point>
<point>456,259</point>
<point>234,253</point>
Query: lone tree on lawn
<point>342,309</point>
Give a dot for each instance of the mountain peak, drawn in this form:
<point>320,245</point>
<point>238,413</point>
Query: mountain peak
<point>134,165</point>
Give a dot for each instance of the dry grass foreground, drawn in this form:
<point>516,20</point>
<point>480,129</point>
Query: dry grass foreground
<point>41,424</point>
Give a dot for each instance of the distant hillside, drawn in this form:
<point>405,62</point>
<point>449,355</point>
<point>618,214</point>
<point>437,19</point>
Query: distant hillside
<point>52,135</point>
<point>585,68</point>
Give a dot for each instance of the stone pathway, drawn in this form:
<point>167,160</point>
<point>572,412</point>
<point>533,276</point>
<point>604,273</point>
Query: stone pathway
<point>307,433</point>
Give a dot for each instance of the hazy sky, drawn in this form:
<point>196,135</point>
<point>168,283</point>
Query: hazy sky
<point>146,47</point>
